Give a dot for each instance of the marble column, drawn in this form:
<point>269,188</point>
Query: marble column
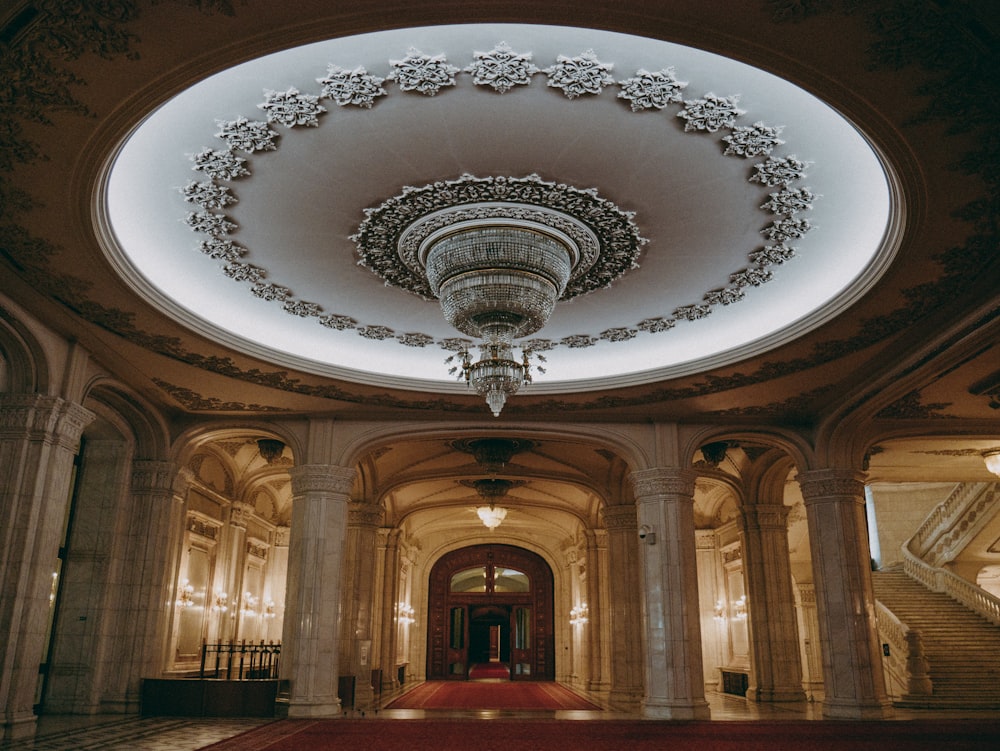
<point>625,606</point>
<point>234,562</point>
<point>852,663</point>
<point>309,659</point>
<point>809,628</point>
<point>713,656</point>
<point>150,549</point>
<point>39,436</point>
<point>774,639</point>
<point>597,599</point>
<point>675,686</point>
<point>389,563</point>
<point>359,598</point>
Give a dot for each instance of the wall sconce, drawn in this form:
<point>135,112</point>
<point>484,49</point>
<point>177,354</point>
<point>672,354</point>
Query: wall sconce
<point>740,608</point>
<point>185,595</point>
<point>405,613</point>
<point>719,612</point>
<point>269,608</point>
<point>579,615</point>
<point>221,602</point>
<point>249,604</point>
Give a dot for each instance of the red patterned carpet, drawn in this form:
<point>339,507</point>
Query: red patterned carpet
<point>489,671</point>
<point>615,735</point>
<point>521,695</point>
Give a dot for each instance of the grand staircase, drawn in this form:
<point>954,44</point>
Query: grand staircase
<point>962,647</point>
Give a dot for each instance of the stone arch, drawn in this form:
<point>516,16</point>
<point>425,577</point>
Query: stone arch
<point>24,366</point>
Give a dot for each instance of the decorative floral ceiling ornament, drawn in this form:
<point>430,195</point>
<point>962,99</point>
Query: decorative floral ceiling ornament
<point>214,225</point>
<point>779,171</point>
<point>647,90</point>
<point>710,113</point>
<point>243,272</point>
<point>224,164</point>
<point>291,108</point>
<point>246,135</point>
<point>501,68</point>
<point>788,202</point>
<point>222,249</point>
<point>583,74</point>
<point>755,140</point>
<point>355,87</point>
<point>423,73</point>
<point>208,195</point>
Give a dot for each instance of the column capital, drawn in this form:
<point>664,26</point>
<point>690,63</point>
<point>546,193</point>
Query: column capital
<point>323,478</point>
<point>38,416</point>
<point>240,513</point>
<point>361,514</point>
<point>660,481</point>
<point>152,475</point>
<point>766,516</point>
<point>620,517</point>
<point>831,484</point>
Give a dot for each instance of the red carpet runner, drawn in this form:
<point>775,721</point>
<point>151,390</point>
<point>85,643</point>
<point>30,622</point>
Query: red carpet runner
<point>522,695</point>
<point>616,735</point>
<point>489,671</point>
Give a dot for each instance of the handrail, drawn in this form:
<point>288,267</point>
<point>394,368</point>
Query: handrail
<point>943,516</point>
<point>240,660</point>
<point>970,595</point>
<point>905,663</point>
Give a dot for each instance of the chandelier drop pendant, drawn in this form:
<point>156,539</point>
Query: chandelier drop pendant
<point>497,374</point>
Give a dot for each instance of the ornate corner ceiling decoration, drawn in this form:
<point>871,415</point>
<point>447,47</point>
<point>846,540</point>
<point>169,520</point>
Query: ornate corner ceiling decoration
<point>388,237</point>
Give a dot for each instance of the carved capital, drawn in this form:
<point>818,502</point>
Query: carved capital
<point>767,516</point>
<point>620,518</point>
<point>321,478</point>
<point>364,515</point>
<point>282,536</point>
<point>664,481</point>
<point>40,417</point>
<point>153,475</point>
<point>832,484</point>
<point>240,513</point>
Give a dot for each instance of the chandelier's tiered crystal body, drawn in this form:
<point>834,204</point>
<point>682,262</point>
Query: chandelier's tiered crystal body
<point>498,283</point>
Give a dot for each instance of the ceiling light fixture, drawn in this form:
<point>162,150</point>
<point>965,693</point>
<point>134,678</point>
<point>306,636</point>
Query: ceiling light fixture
<point>497,253</point>
<point>491,490</point>
<point>498,283</point>
<point>992,459</point>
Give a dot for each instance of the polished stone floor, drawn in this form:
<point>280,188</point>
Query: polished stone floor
<point>117,733</point>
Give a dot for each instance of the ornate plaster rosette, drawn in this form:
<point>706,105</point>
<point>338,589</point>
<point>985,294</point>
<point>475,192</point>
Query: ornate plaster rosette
<point>390,236</point>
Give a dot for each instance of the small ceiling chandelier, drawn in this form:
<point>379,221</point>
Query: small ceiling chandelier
<point>491,490</point>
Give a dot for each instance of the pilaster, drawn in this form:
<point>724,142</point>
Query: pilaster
<point>39,436</point>
<point>625,606</point>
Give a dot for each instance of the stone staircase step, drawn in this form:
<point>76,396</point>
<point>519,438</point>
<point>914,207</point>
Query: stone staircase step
<point>961,647</point>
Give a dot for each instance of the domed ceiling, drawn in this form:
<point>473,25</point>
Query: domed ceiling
<point>271,206</point>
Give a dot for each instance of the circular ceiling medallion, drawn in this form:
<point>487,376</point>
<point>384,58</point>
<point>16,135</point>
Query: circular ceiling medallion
<point>252,206</point>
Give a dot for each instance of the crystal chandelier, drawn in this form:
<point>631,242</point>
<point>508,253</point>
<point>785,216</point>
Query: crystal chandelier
<point>490,490</point>
<point>498,282</point>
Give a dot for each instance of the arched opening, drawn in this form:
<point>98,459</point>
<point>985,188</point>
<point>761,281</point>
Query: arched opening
<point>491,614</point>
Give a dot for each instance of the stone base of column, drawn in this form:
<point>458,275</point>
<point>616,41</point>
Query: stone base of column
<point>19,726</point>
<point>663,710</point>
<point>599,687</point>
<point>841,710</point>
<point>301,709</point>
